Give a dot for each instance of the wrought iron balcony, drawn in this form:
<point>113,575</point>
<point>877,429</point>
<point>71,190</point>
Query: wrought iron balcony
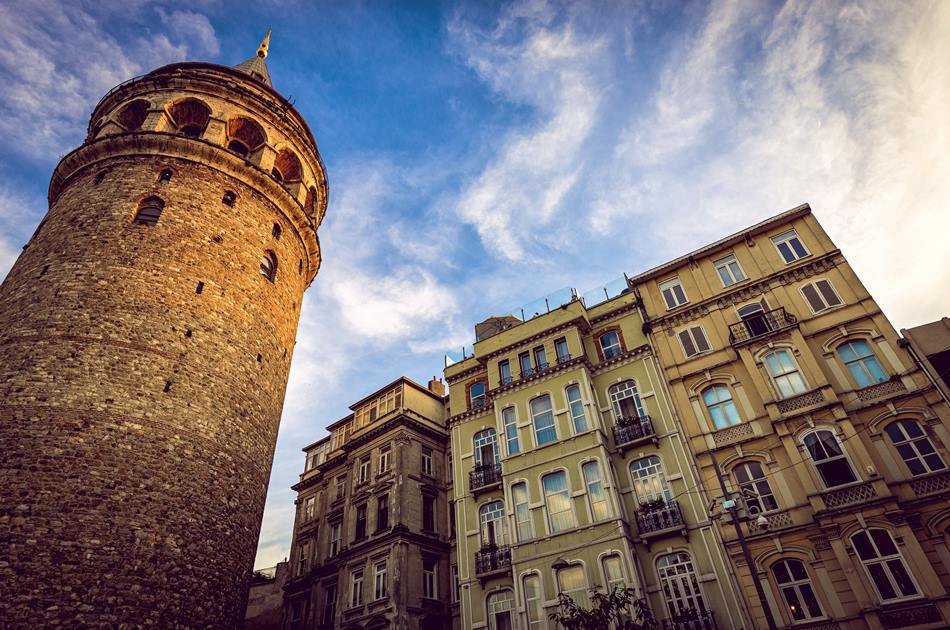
<point>484,477</point>
<point>492,559</point>
<point>563,358</point>
<point>631,431</point>
<point>659,517</point>
<point>691,620</point>
<point>761,325</point>
<point>506,379</point>
<point>528,372</point>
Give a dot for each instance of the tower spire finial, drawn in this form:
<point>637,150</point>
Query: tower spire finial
<point>262,49</point>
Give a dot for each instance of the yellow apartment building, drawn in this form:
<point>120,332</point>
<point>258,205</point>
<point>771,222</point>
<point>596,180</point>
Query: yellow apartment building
<point>571,472</point>
<point>782,367</point>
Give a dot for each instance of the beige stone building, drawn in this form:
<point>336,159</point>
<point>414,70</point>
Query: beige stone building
<point>373,535</point>
<point>782,367</point>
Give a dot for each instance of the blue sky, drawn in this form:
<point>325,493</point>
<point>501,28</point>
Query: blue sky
<point>481,155</point>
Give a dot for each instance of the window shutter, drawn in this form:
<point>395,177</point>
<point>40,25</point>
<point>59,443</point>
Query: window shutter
<point>814,300</point>
<point>700,337</point>
<point>687,341</point>
<point>828,293</point>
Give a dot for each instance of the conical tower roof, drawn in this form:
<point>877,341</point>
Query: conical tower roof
<point>255,66</point>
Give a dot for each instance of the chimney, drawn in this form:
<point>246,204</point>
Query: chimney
<point>436,386</point>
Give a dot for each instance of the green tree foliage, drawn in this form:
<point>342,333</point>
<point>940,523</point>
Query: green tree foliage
<point>617,610</point>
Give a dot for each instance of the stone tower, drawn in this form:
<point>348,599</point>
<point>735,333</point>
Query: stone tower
<point>146,333</point>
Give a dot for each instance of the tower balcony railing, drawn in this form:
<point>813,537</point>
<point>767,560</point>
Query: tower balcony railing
<point>761,325</point>
<point>632,431</point>
<point>484,477</point>
<point>658,518</point>
<point>492,559</point>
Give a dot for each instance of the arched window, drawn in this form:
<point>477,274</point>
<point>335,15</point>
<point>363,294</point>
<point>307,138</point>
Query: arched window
<point>486,449</point>
<point>613,572</point>
<point>133,115</point>
<point>286,167</point>
<point>190,117</point>
<point>500,605</point>
<point>649,482</point>
<point>149,211</point>
<point>829,458</point>
<point>596,494</point>
<point>510,421</point>
<point>576,406</point>
<point>914,447</point>
<point>276,231</point>
<point>491,523</point>
<point>245,136</point>
<point>784,372</point>
<point>542,415</point>
<point>533,601</point>
<point>625,400</point>
<point>476,395</point>
<point>269,265</point>
<point>229,198</point>
<point>861,362</point>
<point>752,481</point>
<point>572,581</point>
<point>884,564</point>
<point>679,584</point>
<point>720,406</point>
<point>165,176</point>
<point>557,500</point>
<point>610,344</point>
<point>523,525</point>
<point>796,589</point>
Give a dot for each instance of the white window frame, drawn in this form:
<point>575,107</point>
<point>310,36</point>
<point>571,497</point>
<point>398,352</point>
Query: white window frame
<point>456,583</point>
<point>309,505</point>
<point>787,237</point>
<point>773,378</point>
<point>882,560</point>
<point>484,438</point>
<point>534,603</point>
<point>613,349</point>
<point>336,538</point>
<point>379,580</point>
<point>385,454</point>
<point>356,588</point>
<point>911,443</point>
<point>670,285</point>
<point>755,485</point>
<point>569,500</point>
<point>493,512</point>
<point>844,455</point>
<point>576,407</point>
<point>725,264</point>
<point>862,362</point>
<point>534,420</point>
<point>500,601</point>
<point>796,586</point>
<point>303,557</point>
<point>510,424</point>
<point>623,387</point>
<point>690,331</point>
<point>524,527</point>
<point>683,597</point>
<point>591,485</point>
<point>330,596</point>
<point>362,475</point>
<point>720,405</point>
<point>579,594</point>
<point>611,584</point>
<point>430,585</point>
<point>821,296</point>
<point>426,460</point>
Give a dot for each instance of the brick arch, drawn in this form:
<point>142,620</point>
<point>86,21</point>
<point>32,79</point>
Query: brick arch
<point>287,166</point>
<point>765,560</point>
<point>133,115</point>
<point>190,116</point>
<point>247,133</point>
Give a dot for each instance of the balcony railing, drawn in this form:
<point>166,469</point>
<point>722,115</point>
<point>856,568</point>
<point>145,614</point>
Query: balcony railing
<point>494,559</point>
<point>479,403</point>
<point>484,476</point>
<point>654,519</point>
<point>761,325</point>
<point>506,379</point>
<point>636,429</point>
<point>563,358</point>
<point>691,620</point>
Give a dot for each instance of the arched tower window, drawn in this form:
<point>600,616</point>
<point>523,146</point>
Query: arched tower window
<point>133,115</point>
<point>229,198</point>
<point>190,117</point>
<point>276,231</point>
<point>245,136</point>
<point>286,167</point>
<point>269,265</point>
<point>165,176</point>
<point>149,210</point>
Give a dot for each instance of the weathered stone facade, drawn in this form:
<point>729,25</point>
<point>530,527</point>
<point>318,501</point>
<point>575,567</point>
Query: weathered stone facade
<point>143,366</point>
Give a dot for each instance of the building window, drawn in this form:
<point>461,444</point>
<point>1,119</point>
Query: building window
<point>610,345</point>
<point>861,362</point>
<point>578,417</point>
<point>456,583</point>
<point>379,580</point>
<point>540,358</point>
<point>269,265</point>
<point>524,363</point>
<point>543,418</point>
<point>308,507</point>
<point>228,199</point>
<point>721,409</point>
<point>428,513</point>
<point>486,454</point>
<point>303,558</point>
<point>336,537</point>
<point>356,588</point>
<point>491,523</point>
<point>149,211</point>
<point>572,582</point>
<point>694,341</point>
<point>362,473</point>
<point>382,512</point>
<point>519,497</point>
<point>789,246</point>
<point>785,375</point>
<point>500,605</point>
<point>884,564</point>
<point>613,573</point>
<point>673,293</point>
<point>829,459</point>
<point>755,485</point>
<point>509,418</point>
<point>165,176</point>
<point>504,372</point>
<point>820,296</point>
<point>360,522</point>
<point>296,614</point>
<point>476,395</point>
<point>625,401</point>
<point>384,459</point>
<point>561,350</point>
<point>729,270</point>
<point>426,460</point>
<point>596,495</point>
<point>679,584</point>
<point>914,447</point>
<point>533,601</point>
<point>649,482</point>
<point>276,231</point>
<point>340,487</point>
<point>190,117</point>
<point>557,500</point>
<point>329,605</point>
<point>797,591</point>
<point>430,588</point>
